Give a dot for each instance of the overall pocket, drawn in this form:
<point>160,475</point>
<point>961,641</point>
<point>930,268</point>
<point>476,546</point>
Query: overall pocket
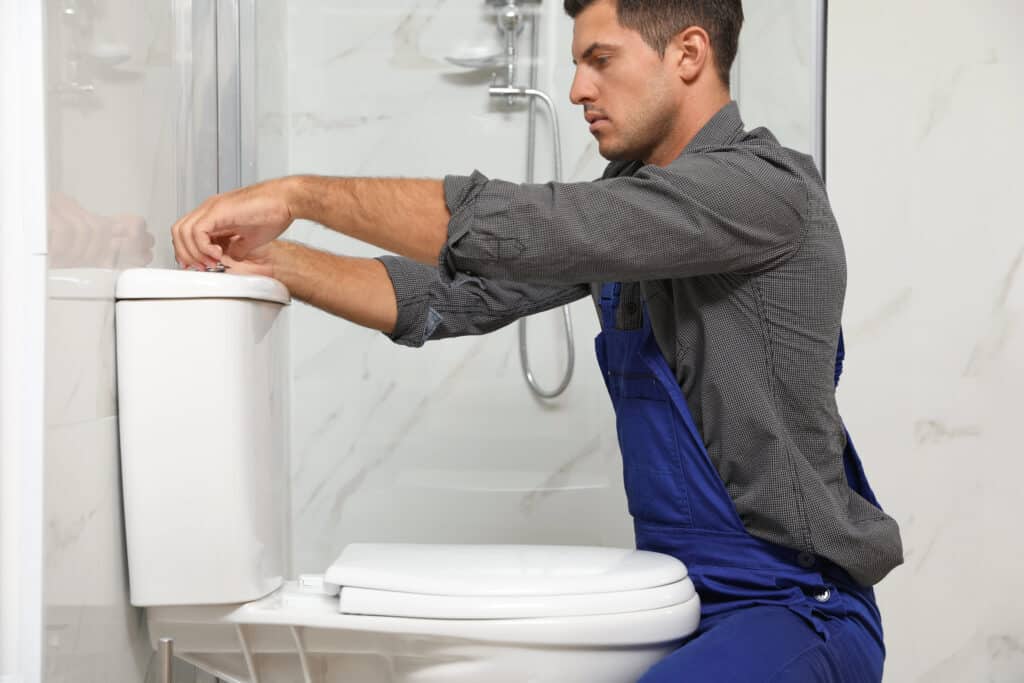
<point>648,439</point>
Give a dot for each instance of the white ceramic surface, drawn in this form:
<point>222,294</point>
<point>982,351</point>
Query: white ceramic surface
<point>160,283</point>
<point>294,636</point>
<point>203,397</point>
<point>500,570</point>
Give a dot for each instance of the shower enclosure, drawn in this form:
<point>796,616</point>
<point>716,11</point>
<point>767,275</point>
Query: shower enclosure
<point>443,444</point>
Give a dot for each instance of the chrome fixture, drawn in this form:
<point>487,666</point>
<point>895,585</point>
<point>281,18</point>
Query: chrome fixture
<point>165,652</point>
<point>820,87</point>
<point>512,92</point>
<point>512,19</point>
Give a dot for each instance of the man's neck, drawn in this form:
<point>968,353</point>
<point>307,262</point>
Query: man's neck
<point>696,112</point>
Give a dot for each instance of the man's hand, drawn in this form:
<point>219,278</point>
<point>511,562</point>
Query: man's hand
<point>233,225</point>
<point>263,260</point>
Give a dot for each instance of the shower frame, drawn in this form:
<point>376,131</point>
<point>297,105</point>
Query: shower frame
<point>216,136</point>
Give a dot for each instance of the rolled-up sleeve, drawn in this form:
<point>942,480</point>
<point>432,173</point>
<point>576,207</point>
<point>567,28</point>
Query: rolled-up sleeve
<point>733,211</point>
<point>430,307</point>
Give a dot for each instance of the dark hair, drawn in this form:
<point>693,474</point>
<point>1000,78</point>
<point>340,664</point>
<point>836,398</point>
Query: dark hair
<point>659,21</point>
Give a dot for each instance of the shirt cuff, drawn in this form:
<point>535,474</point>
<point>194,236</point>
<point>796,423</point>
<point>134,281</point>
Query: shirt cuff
<point>475,201</point>
<point>413,327</point>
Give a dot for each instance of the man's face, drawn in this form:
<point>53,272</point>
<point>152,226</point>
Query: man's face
<point>629,94</point>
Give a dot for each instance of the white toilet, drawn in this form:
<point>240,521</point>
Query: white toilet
<point>203,385</point>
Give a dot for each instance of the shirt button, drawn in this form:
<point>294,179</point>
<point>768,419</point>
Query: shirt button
<point>824,596</point>
<point>806,560</point>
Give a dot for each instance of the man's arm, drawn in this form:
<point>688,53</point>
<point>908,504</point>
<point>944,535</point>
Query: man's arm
<point>732,211</point>
<point>717,212</point>
<point>405,216</point>
<point>357,289</point>
<point>406,300</point>
<point>431,307</point>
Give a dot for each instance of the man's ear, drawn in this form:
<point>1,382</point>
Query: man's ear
<point>690,52</point>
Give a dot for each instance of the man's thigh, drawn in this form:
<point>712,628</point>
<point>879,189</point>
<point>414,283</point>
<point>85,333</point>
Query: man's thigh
<point>771,644</point>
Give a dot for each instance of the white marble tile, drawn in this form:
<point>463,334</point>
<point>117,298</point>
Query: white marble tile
<point>92,632</point>
<point>924,181</point>
<point>80,378</point>
<point>775,78</point>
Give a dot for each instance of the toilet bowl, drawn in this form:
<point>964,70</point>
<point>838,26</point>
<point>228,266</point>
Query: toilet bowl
<point>420,613</point>
<point>204,471</point>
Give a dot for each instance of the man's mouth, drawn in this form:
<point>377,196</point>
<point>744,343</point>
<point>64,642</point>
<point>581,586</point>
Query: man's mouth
<point>596,121</point>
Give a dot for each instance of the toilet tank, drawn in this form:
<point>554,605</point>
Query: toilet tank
<point>203,403</point>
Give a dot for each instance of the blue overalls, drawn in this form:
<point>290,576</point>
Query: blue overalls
<point>768,613</point>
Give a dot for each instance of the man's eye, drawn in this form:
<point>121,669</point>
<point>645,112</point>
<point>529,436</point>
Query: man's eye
<point>602,60</point>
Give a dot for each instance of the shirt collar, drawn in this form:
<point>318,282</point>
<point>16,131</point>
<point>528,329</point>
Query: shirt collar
<point>720,130</point>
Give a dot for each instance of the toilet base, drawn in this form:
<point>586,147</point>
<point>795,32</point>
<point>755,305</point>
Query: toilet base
<point>438,663</point>
<point>287,637</point>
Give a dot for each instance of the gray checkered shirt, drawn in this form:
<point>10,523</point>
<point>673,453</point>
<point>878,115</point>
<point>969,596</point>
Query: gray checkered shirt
<point>738,257</point>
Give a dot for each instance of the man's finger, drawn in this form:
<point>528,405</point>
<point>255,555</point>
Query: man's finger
<point>186,235</point>
<point>179,251</point>
<point>208,248</point>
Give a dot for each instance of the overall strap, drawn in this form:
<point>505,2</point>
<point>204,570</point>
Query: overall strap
<point>840,357</point>
<point>610,294</point>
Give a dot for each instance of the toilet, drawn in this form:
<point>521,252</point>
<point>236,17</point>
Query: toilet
<point>203,402</point>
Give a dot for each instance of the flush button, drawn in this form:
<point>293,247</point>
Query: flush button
<point>806,560</point>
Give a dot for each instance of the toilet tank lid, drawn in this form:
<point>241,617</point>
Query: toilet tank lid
<point>501,570</point>
<point>162,283</point>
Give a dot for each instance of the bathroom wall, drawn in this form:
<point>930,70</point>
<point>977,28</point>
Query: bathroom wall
<point>924,148</point>
<point>446,443</point>
<point>112,193</point>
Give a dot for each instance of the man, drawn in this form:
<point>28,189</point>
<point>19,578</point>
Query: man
<point>720,276</point>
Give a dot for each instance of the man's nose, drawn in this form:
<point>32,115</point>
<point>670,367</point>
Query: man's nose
<point>582,89</point>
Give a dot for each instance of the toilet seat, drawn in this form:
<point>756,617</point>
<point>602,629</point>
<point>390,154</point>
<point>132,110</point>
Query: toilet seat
<point>370,602</point>
<point>503,581</point>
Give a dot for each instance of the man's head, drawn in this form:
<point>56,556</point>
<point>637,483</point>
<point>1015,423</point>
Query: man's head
<point>646,70</point>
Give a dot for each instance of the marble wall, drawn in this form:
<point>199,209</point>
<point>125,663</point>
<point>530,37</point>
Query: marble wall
<point>924,177</point>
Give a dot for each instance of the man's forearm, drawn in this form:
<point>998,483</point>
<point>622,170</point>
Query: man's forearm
<point>405,216</point>
<point>356,289</point>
